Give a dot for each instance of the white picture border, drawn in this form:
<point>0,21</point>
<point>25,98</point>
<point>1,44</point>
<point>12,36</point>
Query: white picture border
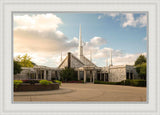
<point>7,7</point>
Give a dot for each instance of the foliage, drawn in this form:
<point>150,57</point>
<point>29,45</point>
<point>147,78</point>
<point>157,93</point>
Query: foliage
<point>17,83</point>
<point>136,82</point>
<point>68,74</point>
<point>57,81</point>
<point>25,61</point>
<point>103,82</point>
<point>45,82</point>
<point>140,60</point>
<point>141,65</point>
<point>17,67</point>
<point>32,82</point>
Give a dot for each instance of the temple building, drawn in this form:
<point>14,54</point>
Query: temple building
<point>86,70</point>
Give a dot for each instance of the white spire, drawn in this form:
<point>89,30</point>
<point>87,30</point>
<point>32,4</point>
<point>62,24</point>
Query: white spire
<point>80,48</point>
<point>80,39</point>
<point>111,58</point>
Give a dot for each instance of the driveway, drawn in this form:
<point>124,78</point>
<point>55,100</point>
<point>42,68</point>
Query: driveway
<point>86,92</point>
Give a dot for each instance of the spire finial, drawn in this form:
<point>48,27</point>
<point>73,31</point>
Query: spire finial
<point>80,39</point>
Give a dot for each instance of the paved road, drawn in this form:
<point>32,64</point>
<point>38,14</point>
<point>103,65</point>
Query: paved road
<point>85,92</point>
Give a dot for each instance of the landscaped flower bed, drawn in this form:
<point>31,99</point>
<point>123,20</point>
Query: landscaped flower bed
<point>29,86</point>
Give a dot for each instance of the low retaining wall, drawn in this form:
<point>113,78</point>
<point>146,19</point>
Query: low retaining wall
<point>36,87</point>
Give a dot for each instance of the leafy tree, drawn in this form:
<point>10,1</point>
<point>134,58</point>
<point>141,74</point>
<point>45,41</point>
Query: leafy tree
<point>25,61</point>
<point>141,59</point>
<point>17,67</point>
<point>68,74</point>
<point>140,65</point>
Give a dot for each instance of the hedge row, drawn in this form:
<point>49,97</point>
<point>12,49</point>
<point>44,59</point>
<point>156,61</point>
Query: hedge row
<point>136,82</point>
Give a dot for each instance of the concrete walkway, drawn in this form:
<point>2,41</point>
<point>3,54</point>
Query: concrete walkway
<point>85,92</point>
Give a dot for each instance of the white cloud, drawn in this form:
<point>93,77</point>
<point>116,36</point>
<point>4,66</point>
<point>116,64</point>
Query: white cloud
<point>126,59</point>
<point>141,21</point>
<point>127,19</point>
<point>113,15</point>
<point>39,22</point>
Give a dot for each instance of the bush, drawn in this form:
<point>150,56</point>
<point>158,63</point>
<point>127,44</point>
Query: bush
<point>17,83</point>
<point>134,82</point>
<point>45,82</point>
<point>57,81</point>
<point>32,82</point>
<point>103,82</point>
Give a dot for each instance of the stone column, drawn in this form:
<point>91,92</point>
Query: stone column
<point>100,76</point>
<point>58,74</point>
<point>78,75</point>
<point>41,73</point>
<point>104,77</point>
<point>44,74</point>
<point>84,76</point>
<point>90,76</point>
<point>129,75</point>
<point>94,73</point>
<point>49,74</point>
<point>36,74</point>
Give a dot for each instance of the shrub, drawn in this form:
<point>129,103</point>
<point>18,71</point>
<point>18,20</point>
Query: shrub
<point>135,82</point>
<point>32,82</point>
<point>103,82</point>
<point>17,83</point>
<point>57,81</point>
<point>45,82</point>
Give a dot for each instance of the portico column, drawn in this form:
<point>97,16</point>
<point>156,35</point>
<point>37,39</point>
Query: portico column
<point>104,77</point>
<point>90,76</point>
<point>44,74</point>
<point>129,75</point>
<point>100,76</point>
<point>84,76</point>
<point>94,76</point>
<point>36,74</point>
<point>49,74</point>
<point>78,75</point>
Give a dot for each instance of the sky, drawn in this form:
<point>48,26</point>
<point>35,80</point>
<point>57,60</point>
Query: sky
<point>44,36</point>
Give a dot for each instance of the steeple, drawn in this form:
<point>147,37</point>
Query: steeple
<point>80,48</point>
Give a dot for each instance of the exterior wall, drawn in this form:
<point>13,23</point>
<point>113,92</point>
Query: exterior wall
<point>64,63</point>
<point>117,74</point>
<point>75,63</point>
<point>23,75</point>
<point>86,61</point>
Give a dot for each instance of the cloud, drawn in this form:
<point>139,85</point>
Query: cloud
<point>127,19</point>
<point>141,21</point>
<point>127,59</point>
<point>113,15</point>
<point>39,22</point>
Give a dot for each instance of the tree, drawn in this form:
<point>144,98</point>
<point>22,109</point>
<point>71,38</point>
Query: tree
<point>68,74</point>
<point>141,59</point>
<point>17,67</point>
<point>25,61</point>
<point>140,65</point>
